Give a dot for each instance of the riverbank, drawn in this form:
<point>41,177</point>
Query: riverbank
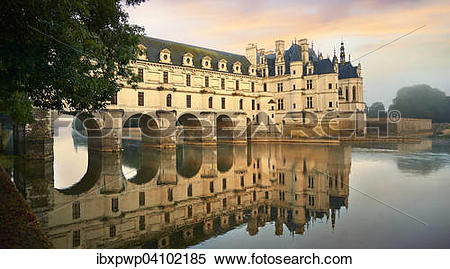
<point>19,227</point>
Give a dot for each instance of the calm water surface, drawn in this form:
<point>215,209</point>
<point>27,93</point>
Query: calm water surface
<point>255,196</point>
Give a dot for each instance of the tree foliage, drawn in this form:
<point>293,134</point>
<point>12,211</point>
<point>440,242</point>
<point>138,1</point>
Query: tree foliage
<point>64,54</point>
<point>376,110</point>
<point>422,101</point>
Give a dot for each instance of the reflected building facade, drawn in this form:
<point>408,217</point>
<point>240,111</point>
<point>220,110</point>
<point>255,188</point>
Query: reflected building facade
<point>145,197</point>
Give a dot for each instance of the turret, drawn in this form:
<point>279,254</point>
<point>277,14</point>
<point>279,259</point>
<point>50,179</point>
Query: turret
<point>342,55</point>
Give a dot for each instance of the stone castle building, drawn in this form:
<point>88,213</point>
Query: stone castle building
<point>276,89</point>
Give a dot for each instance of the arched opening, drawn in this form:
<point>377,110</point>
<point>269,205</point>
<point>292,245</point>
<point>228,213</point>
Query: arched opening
<point>141,126</point>
<point>189,160</point>
<point>191,128</point>
<point>224,126</point>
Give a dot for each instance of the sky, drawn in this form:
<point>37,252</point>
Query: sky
<point>422,57</point>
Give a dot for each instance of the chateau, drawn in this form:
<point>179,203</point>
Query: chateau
<point>277,88</point>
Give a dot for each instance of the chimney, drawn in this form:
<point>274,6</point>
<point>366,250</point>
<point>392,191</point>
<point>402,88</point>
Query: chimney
<point>251,53</point>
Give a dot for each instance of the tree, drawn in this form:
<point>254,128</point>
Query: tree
<point>374,110</point>
<point>422,101</point>
<point>70,55</point>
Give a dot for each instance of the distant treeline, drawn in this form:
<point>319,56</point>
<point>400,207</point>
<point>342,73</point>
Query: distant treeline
<point>418,101</point>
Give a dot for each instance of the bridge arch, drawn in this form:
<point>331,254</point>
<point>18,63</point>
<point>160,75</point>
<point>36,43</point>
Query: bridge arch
<point>224,125</point>
<point>190,128</point>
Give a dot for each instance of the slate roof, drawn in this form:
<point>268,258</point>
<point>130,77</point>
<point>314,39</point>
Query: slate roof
<point>324,66</point>
<point>347,70</point>
<point>178,50</point>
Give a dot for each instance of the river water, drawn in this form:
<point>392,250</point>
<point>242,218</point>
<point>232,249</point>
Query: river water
<point>241,196</point>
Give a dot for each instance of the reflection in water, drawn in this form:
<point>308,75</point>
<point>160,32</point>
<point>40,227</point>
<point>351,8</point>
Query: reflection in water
<point>145,197</point>
<point>151,198</point>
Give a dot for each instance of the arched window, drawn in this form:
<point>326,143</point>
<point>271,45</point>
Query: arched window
<point>241,104</point>
<point>169,100</point>
<point>210,102</point>
<point>354,93</point>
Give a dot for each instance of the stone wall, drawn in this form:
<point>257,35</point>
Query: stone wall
<point>404,127</point>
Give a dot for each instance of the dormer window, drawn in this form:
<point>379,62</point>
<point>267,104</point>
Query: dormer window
<point>252,71</point>
<point>237,67</point>
<point>142,52</point>
<point>164,56</point>
<point>188,59</point>
<point>206,62</point>
<point>223,65</point>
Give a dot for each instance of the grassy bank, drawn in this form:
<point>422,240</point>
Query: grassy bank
<point>19,227</point>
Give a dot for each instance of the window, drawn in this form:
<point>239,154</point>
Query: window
<point>188,80</point>
<point>211,187</point>
<point>293,106</point>
<point>280,87</point>
<point>170,194</point>
<point>208,208</point>
<point>253,86</point>
<point>237,85</point>
<point>253,104</point>
<point>206,82</point>
<point>346,93</point>
<point>189,214</point>
<point>311,200</point>
<point>330,86</point>
<point>224,202</point>
<point>76,238</point>
<point>166,77</point>
<point>115,204</point>
<point>340,92</point>
<point>141,74</point>
<point>189,190</point>
<point>242,181</point>
<point>76,210</point>
<point>188,101</point>
<point>112,231</point>
<point>141,198</point>
<point>254,195</point>
<point>169,100</point>
<point>330,104</point>
<point>222,84</point>
<point>224,184</point>
<point>310,182</point>
<point>280,104</point>
<point>264,72</point>
<point>239,200</point>
<point>257,106</point>
<point>167,217</point>
<point>265,87</point>
<point>309,103</point>
<point>210,102</point>
<point>280,70</point>
<point>293,86</point>
<point>223,102</point>
<point>114,99</point>
<point>241,104</point>
<point>309,84</point>
<point>354,93</point>
<point>293,72</point>
<point>141,223</point>
<point>140,99</point>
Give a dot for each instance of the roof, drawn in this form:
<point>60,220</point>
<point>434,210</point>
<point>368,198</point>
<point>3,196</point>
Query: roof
<point>347,70</point>
<point>294,53</point>
<point>178,50</point>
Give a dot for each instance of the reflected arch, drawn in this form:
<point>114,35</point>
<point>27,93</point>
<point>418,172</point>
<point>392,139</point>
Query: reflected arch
<point>225,157</point>
<point>188,160</point>
<point>140,165</point>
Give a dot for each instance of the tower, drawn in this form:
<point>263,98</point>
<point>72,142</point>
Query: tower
<point>342,55</point>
